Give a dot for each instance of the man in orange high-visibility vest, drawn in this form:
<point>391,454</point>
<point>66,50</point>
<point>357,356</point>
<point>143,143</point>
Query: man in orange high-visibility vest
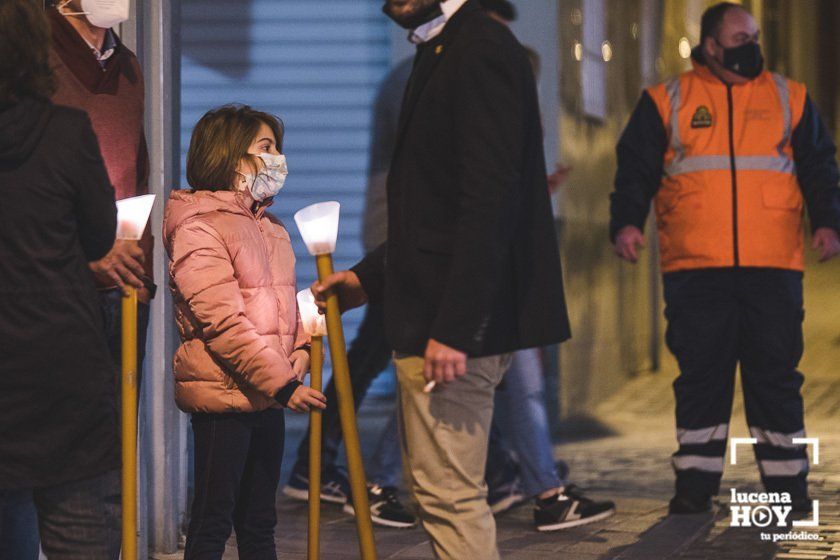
<point>730,154</point>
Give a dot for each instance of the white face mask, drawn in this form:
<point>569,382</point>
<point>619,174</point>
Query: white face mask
<point>268,180</point>
<point>102,13</point>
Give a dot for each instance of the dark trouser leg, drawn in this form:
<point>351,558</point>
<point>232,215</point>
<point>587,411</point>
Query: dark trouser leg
<point>255,515</point>
<point>501,468</point>
<point>770,350</point>
<point>702,333</point>
<point>385,466</point>
<point>80,520</point>
<point>369,354</point>
<point>18,525</point>
<point>222,442</point>
<point>110,302</point>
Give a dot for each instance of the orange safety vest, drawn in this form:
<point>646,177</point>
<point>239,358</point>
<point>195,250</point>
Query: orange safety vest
<point>729,194</point>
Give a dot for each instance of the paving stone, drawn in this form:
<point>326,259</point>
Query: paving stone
<point>631,467</point>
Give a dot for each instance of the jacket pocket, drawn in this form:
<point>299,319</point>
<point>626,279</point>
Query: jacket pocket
<point>668,201</point>
<point>781,196</point>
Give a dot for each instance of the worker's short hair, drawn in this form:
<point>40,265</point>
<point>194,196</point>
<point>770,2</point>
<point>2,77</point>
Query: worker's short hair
<point>712,19</point>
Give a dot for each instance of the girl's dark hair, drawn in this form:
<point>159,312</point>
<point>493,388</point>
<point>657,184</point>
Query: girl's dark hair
<point>220,139</point>
<point>24,52</point>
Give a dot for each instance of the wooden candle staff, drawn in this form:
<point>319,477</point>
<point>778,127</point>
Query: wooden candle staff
<point>318,225</point>
<point>132,215</point>
<point>316,327</point>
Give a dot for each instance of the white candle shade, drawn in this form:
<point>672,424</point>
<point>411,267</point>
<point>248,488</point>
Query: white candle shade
<point>132,215</point>
<point>318,225</point>
<point>314,323</point>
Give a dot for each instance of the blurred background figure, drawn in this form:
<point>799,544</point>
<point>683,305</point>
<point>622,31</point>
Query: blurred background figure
<point>449,267</point>
<point>369,353</point>
<point>521,424</point>
<point>58,415</point>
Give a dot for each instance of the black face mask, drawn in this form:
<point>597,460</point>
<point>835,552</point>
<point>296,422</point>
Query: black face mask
<point>745,60</point>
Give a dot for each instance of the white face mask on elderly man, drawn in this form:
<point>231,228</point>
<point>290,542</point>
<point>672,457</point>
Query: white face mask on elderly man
<point>268,180</point>
<point>102,13</point>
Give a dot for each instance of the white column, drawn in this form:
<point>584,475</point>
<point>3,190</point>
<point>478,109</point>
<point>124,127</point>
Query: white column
<point>163,444</point>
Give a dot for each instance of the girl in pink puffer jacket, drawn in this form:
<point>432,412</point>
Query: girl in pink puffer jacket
<point>243,351</point>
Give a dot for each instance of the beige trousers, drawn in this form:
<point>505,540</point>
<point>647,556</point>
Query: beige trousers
<point>444,443</point>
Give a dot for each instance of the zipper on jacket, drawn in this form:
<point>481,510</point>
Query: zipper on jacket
<point>735,254</point>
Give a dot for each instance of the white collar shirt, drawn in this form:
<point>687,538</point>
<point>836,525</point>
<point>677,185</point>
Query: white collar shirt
<point>432,29</point>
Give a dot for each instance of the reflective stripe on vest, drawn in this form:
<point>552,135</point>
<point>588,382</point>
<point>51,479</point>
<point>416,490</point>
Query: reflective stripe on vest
<point>780,163</point>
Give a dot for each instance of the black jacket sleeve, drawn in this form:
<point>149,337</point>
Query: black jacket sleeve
<point>816,168</point>
<point>641,150</point>
<point>96,211</point>
<point>489,106</point>
<point>371,273</point>
<point>284,394</point>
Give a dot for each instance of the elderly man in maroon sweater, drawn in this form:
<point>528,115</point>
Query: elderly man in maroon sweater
<point>95,72</point>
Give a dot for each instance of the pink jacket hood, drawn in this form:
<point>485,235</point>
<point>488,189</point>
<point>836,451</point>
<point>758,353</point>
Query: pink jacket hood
<point>186,204</point>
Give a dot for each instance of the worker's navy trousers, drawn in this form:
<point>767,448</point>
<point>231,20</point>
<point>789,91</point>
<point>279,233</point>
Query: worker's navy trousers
<point>717,319</point>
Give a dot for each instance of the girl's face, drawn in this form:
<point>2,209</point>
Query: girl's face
<point>263,143</point>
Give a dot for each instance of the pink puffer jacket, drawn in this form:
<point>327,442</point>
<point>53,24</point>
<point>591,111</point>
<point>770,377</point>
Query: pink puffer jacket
<point>232,276</point>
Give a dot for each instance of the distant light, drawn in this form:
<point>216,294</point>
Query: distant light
<point>606,51</point>
<point>634,30</point>
<point>577,51</point>
<point>685,47</point>
<point>576,16</point>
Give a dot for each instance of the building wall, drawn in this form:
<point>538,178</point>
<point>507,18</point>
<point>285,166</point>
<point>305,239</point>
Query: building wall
<point>612,305</point>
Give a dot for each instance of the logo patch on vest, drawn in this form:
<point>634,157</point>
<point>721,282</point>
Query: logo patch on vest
<point>702,118</point>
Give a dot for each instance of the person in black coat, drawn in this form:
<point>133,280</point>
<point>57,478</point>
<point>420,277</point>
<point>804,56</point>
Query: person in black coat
<point>470,270</point>
<point>58,423</point>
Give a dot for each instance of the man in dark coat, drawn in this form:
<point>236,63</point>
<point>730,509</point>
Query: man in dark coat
<point>470,271</point>
<point>58,423</point>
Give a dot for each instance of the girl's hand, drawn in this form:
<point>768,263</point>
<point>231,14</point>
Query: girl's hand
<point>300,363</point>
<point>305,397</point>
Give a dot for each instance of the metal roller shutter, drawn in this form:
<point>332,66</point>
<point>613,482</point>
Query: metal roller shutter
<point>315,64</point>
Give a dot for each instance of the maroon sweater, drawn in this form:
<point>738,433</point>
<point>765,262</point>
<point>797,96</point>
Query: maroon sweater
<point>113,98</point>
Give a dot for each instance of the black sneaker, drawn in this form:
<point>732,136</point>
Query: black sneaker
<point>335,488</point>
<point>506,497</point>
<point>687,505</point>
<point>385,508</point>
<point>569,508</point>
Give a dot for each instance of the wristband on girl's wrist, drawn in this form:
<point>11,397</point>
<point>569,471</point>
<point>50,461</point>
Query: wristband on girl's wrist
<point>284,394</point>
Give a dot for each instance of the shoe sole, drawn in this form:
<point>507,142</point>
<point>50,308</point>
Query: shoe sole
<point>303,496</point>
<point>576,522</point>
<point>348,509</point>
<point>507,503</point>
